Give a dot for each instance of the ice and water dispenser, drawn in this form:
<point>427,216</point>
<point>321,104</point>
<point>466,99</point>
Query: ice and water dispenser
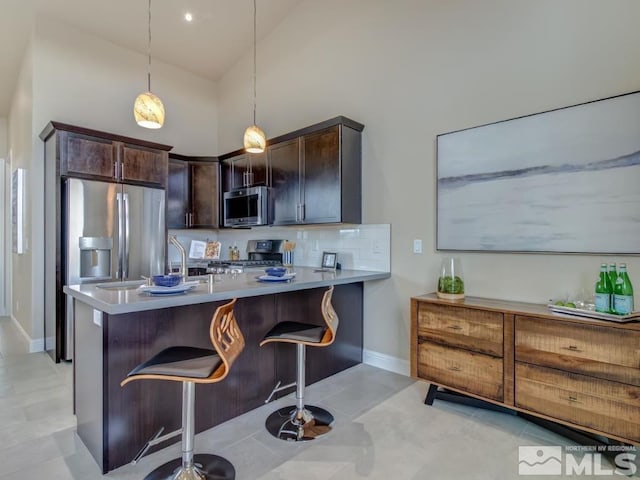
<point>95,257</point>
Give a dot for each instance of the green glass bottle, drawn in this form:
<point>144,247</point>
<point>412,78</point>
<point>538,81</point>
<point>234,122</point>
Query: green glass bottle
<point>623,292</point>
<point>603,291</point>
<point>613,276</point>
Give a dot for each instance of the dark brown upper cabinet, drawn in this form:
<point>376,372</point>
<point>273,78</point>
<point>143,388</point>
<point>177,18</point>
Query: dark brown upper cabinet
<point>285,193</point>
<point>142,165</point>
<point>243,170</point>
<point>316,177</point>
<point>96,155</point>
<point>192,192</point>
<point>313,174</point>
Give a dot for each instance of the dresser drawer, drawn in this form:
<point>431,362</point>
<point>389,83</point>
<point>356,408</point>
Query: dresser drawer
<point>607,353</point>
<point>602,405</point>
<point>477,330</point>
<point>468,371</point>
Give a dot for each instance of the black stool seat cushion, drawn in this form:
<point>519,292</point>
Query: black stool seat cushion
<point>180,362</point>
<point>296,331</point>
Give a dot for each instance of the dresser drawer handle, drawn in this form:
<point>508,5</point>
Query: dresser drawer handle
<point>573,348</point>
<point>573,399</point>
<point>455,369</point>
<point>455,327</point>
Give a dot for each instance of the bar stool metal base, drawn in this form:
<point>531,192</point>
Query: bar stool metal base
<point>208,467</point>
<point>285,424</point>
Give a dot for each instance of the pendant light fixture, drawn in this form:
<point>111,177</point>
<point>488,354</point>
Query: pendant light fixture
<point>148,109</point>
<point>254,138</point>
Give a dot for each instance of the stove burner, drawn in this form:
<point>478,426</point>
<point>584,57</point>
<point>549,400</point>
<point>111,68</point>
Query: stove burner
<point>257,263</point>
<point>244,263</point>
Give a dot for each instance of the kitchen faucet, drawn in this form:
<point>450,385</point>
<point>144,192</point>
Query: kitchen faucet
<point>183,255</point>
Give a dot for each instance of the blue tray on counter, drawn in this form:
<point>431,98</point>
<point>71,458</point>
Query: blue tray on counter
<point>175,290</point>
<point>271,278</point>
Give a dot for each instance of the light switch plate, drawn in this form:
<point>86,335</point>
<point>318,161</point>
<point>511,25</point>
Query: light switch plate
<point>417,246</point>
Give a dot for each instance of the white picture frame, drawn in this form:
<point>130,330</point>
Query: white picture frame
<point>17,210</point>
<point>561,181</point>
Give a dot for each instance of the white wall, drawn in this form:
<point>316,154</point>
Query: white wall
<point>20,142</point>
<point>86,81</point>
<point>411,69</point>
<point>4,255</point>
<point>72,77</point>
<point>3,137</point>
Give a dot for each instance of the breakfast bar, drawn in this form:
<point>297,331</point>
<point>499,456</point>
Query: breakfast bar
<point>117,326</point>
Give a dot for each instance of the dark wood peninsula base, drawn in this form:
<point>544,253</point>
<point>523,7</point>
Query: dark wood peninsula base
<point>115,422</point>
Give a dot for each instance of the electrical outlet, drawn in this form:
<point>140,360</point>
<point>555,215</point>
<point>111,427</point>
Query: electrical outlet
<point>376,248</point>
<point>417,246</point>
<point>97,317</point>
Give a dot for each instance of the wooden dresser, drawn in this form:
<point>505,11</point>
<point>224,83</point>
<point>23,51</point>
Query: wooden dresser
<point>578,372</point>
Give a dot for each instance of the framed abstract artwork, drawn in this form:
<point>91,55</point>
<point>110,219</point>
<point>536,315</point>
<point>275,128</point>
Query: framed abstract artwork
<point>565,181</point>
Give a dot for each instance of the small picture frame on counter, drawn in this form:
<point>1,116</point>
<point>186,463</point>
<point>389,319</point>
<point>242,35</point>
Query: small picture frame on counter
<point>329,260</point>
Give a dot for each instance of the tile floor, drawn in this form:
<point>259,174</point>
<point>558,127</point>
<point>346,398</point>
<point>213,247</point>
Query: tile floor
<point>383,431</point>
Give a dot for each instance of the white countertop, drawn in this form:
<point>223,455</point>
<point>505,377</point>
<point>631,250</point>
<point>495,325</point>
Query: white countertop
<point>225,287</point>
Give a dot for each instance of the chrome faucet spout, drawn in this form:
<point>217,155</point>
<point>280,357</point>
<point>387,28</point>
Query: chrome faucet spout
<point>183,255</point>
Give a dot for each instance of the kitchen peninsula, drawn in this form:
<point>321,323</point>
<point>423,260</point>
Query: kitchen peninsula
<point>118,328</point>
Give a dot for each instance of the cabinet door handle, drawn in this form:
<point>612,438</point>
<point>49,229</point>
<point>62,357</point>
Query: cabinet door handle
<point>573,348</point>
<point>186,219</point>
<point>302,212</point>
<point>191,219</point>
<point>455,327</point>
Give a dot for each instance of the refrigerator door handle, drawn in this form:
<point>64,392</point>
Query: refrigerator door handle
<point>125,261</point>
<point>119,217</point>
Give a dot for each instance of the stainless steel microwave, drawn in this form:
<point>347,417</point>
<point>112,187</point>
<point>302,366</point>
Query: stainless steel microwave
<point>246,207</point>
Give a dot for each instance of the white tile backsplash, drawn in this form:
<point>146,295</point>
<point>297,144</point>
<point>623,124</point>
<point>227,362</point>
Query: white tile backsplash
<point>359,247</point>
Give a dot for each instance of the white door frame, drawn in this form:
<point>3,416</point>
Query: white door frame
<point>5,262</point>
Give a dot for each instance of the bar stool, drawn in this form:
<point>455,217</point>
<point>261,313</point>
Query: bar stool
<point>191,365</point>
<point>302,422</point>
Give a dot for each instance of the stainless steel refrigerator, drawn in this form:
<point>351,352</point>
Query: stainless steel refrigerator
<point>112,232</point>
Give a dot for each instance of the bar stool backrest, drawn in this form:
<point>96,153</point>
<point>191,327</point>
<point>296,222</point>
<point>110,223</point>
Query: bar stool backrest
<point>330,317</point>
<point>226,337</point>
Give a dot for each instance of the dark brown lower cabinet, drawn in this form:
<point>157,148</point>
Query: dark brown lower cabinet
<point>323,362</point>
<point>115,422</point>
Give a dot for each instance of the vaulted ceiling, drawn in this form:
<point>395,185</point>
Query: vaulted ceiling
<point>219,34</point>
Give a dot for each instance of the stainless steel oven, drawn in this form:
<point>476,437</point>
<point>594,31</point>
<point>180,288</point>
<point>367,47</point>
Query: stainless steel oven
<point>246,207</point>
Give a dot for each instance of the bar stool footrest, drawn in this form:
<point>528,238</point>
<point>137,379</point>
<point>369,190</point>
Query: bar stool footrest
<point>213,467</point>
<point>281,424</point>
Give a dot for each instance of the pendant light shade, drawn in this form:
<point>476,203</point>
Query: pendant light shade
<point>148,109</point>
<point>254,138</point>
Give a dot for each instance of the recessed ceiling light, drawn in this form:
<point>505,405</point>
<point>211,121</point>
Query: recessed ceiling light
<point>188,17</point>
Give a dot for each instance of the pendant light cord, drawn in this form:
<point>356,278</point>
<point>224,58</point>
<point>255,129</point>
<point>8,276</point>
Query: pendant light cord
<point>149,52</point>
<point>254,61</point>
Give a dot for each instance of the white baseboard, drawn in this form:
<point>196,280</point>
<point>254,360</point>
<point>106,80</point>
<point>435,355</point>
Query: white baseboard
<point>386,362</point>
<point>35,345</point>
